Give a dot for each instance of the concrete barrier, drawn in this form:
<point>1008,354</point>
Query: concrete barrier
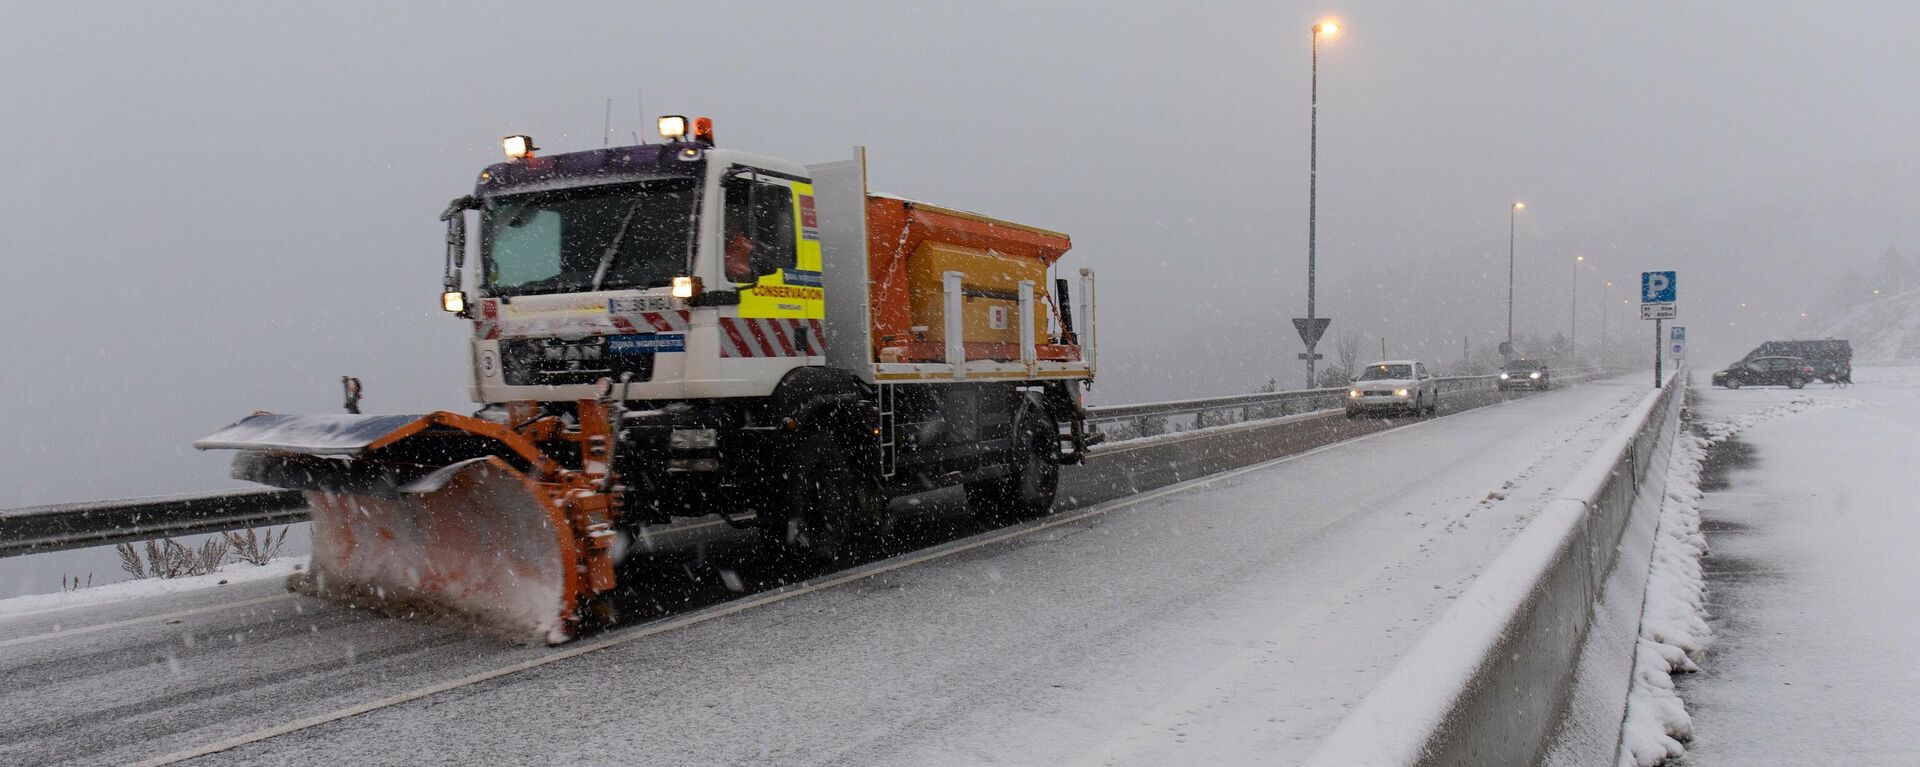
<point>1494,680</point>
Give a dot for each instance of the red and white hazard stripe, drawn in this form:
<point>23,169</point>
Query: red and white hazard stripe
<point>770,337</point>
<point>488,326</point>
<point>653,322</point>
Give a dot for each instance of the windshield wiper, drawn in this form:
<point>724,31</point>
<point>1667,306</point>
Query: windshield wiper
<point>613,248</point>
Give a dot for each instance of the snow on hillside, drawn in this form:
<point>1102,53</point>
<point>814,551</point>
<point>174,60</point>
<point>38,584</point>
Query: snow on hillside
<point>1883,331</point>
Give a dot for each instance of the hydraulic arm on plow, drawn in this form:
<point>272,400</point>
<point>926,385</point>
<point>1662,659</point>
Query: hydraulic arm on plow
<point>505,524</point>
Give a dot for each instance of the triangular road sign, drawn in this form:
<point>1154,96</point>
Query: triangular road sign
<point>1311,329</point>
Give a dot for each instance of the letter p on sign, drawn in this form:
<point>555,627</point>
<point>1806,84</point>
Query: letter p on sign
<point>1657,288</point>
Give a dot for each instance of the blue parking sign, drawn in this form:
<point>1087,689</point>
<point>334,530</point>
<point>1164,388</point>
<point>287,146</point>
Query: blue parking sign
<point>1677,333</point>
<point>1657,287</point>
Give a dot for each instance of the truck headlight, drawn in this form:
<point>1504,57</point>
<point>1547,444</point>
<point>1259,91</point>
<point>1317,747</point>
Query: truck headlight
<point>1534,376</point>
<point>454,301</point>
<point>692,439</point>
<point>1399,392</point>
<point>1504,376</point>
<point>1355,393</point>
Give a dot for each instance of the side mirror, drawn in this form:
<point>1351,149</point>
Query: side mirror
<point>452,298</point>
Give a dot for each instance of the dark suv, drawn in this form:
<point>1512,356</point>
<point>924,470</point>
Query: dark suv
<point>1524,374</point>
<point>1830,358</point>
<point>1791,372</point>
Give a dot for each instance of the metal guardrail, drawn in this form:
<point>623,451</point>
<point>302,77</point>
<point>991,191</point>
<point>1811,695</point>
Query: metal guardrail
<point>40,529</point>
<point>1328,398</point>
<point>37,529</point>
<point>1207,404</point>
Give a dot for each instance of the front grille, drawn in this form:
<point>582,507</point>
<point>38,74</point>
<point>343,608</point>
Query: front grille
<point>556,362</point>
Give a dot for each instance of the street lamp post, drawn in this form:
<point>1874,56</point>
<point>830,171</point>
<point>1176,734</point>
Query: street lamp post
<point>1606,315</point>
<point>1311,333</point>
<point>1512,212</point>
<point>1573,323</point>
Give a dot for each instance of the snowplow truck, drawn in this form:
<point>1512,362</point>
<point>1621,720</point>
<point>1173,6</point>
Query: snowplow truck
<point>679,330</point>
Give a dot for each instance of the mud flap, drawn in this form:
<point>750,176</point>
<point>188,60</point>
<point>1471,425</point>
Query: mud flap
<point>477,543</point>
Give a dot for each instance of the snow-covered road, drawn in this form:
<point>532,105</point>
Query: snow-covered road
<point>1812,579</point>
<point>1233,615</point>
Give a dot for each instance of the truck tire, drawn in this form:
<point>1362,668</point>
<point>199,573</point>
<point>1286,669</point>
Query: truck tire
<point>824,513</point>
<point>1033,476</point>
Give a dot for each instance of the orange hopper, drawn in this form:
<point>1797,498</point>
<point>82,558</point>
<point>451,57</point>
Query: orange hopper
<point>911,245</point>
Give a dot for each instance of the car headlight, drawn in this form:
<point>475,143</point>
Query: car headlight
<point>1399,392</point>
<point>1353,393</point>
<point>1504,376</point>
<point>1534,376</point>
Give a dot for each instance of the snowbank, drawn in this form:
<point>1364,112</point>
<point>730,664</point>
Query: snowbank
<point>1673,624</point>
<point>229,574</point>
<point>1673,618</point>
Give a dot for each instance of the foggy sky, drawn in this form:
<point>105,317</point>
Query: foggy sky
<point>213,210</point>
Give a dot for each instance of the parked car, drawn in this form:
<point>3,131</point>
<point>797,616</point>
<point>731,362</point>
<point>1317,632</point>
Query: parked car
<point>1394,386</point>
<point>1524,374</point>
<point>1791,372</point>
<point>1830,358</point>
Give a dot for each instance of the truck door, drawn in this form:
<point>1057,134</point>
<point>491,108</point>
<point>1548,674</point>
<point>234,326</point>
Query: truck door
<point>770,250</point>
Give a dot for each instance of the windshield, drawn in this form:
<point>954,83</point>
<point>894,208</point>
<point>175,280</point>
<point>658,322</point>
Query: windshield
<point>1523,365</point>
<point>557,242</point>
<point>1386,372</point>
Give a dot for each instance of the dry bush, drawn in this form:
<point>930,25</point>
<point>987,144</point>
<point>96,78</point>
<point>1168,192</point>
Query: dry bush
<point>257,550</point>
<point>166,558</point>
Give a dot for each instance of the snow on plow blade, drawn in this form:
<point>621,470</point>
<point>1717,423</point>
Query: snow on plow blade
<point>442,517</point>
<point>483,547</point>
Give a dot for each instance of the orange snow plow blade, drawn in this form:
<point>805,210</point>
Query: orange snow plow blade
<point>443,517</point>
<point>484,548</point>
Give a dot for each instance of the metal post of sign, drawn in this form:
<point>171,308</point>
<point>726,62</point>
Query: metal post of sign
<point>1658,294</point>
<point>1657,340</point>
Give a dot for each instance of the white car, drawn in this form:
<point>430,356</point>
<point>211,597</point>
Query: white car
<point>1394,385</point>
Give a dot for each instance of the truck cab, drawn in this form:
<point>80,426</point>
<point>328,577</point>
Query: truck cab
<point>680,270</point>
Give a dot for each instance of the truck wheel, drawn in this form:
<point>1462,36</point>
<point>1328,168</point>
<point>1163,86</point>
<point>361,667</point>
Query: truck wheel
<point>1032,480</point>
<point>824,513</point>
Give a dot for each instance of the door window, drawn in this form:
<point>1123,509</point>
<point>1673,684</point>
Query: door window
<point>758,236</point>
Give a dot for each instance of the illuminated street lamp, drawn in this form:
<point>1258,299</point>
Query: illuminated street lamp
<point>1512,212</point>
<point>1325,27</point>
